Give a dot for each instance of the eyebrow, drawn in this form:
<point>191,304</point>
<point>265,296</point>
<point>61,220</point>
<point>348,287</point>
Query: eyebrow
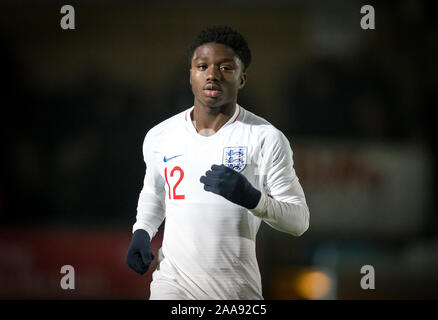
<point>223,60</point>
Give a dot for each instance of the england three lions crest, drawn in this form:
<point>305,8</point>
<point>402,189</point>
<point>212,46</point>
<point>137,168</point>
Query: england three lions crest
<point>235,158</point>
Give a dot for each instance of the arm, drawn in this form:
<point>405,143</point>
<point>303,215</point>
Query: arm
<point>151,205</point>
<point>285,208</point>
<point>290,215</point>
<point>282,204</point>
<point>150,214</point>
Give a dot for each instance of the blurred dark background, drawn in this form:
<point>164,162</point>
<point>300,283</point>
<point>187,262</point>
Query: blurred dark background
<point>357,105</point>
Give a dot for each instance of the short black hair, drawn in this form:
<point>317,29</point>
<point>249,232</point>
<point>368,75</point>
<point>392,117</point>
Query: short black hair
<point>225,35</point>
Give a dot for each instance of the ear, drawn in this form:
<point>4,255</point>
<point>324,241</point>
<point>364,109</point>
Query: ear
<point>242,80</point>
<point>190,75</point>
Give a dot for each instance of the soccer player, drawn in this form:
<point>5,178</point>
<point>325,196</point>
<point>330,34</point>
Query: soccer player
<point>214,171</point>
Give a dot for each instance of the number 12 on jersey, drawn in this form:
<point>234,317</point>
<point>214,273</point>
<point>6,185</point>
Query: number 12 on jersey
<point>181,176</point>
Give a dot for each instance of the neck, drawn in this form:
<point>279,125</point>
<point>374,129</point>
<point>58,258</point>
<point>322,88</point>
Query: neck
<point>208,120</point>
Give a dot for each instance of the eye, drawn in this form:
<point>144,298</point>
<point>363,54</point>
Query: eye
<point>202,66</point>
<point>226,68</point>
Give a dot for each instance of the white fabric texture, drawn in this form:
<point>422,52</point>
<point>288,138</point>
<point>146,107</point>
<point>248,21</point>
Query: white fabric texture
<point>209,243</point>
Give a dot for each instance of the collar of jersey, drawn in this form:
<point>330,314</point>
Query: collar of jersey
<point>189,123</point>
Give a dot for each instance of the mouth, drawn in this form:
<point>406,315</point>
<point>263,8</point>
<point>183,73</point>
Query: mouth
<point>212,90</point>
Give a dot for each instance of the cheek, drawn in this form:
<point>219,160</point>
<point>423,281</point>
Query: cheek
<point>194,79</point>
<point>235,79</point>
<point>234,84</point>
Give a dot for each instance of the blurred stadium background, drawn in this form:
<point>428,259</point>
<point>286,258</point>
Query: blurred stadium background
<point>357,106</point>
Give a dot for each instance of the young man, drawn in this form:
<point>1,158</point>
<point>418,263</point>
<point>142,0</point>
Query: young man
<point>215,171</point>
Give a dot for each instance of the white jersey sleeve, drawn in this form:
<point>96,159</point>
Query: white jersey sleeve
<point>282,204</point>
<point>151,204</point>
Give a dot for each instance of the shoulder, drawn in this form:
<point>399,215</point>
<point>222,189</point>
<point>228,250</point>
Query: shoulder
<point>165,127</point>
<point>266,133</point>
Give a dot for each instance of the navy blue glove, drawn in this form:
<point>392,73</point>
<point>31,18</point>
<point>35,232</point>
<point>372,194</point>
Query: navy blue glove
<point>139,255</point>
<point>231,185</point>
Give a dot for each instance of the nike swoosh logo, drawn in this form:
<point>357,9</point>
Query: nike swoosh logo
<point>168,159</point>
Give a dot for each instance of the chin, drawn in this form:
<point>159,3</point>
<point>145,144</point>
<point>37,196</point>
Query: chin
<point>212,103</point>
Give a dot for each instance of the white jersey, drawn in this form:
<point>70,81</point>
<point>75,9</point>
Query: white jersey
<point>208,249</point>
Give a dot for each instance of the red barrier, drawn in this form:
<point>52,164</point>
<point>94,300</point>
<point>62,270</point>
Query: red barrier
<point>31,261</point>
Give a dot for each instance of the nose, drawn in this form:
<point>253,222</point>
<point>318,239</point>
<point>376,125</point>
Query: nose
<point>213,73</point>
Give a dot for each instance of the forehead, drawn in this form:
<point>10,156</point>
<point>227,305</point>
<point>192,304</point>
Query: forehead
<point>215,52</point>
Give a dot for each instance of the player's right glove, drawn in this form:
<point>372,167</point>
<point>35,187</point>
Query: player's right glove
<point>139,255</point>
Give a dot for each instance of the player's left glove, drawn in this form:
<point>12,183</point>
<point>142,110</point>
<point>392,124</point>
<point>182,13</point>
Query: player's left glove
<point>231,185</point>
